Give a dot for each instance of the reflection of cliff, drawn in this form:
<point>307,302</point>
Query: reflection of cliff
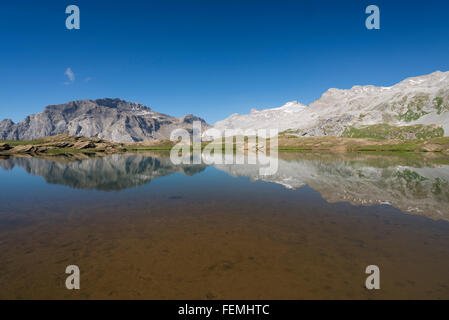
<point>418,190</point>
<point>115,172</point>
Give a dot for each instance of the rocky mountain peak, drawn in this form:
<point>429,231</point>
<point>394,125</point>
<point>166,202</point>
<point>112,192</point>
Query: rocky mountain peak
<point>121,104</point>
<point>5,126</point>
<point>190,118</point>
<point>6,122</point>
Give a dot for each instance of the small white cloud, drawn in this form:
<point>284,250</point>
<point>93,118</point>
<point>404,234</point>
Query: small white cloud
<point>87,79</point>
<point>70,75</point>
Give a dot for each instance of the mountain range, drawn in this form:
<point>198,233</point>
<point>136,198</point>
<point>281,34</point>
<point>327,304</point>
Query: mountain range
<point>113,173</point>
<point>420,100</point>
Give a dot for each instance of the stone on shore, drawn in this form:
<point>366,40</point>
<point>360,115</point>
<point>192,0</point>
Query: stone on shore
<point>24,149</point>
<point>84,145</point>
<point>4,147</point>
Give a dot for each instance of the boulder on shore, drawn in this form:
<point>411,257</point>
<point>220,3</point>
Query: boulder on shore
<point>24,149</point>
<point>84,145</point>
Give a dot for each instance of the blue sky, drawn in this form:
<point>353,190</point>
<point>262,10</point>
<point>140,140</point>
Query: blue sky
<point>211,58</point>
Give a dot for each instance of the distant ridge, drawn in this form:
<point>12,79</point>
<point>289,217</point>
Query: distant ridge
<point>417,100</point>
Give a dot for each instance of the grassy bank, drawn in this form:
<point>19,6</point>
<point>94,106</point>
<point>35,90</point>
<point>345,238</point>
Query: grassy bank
<point>291,143</point>
<point>388,132</point>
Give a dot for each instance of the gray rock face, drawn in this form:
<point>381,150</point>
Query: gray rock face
<point>5,128</point>
<point>109,119</point>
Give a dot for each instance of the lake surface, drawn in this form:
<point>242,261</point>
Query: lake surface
<point>140,227</point>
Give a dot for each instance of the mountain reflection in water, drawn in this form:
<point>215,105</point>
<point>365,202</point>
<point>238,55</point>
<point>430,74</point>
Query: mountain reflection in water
<point>116,172</point>
<point>418,185</point>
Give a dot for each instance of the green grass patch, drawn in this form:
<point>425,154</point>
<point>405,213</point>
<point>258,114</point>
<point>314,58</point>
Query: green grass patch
<point>414,108</point>
<point>401,147</point>
<point>155,148</point>
<point>386,131</point>
<point>15,143</point>
<point>411,115</point>
<point>71,151</point>
<point>439,105</point>
<point>440,140</point>
<point>295,148</point>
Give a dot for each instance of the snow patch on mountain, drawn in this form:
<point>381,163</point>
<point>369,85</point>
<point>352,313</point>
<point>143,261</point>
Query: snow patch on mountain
<point>277,118</point>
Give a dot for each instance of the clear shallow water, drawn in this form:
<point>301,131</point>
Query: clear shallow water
<point>141,228</point>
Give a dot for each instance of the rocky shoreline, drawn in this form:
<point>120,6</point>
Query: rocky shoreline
<point>71,145</point>
<point>59,144</point>
<point>66,144</point>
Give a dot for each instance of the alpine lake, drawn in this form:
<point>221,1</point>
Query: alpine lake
<point>140,227</point>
